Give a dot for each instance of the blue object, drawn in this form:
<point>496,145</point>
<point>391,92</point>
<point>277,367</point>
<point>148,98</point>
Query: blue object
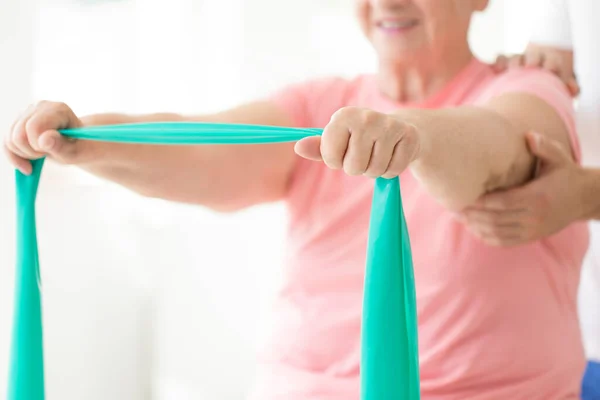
<point>590,389</point>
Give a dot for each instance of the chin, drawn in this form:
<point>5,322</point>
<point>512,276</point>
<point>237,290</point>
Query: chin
<point>396,54</point>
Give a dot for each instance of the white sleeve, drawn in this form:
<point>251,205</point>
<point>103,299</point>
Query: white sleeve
<point>585,19</point>
<point>551,23</point>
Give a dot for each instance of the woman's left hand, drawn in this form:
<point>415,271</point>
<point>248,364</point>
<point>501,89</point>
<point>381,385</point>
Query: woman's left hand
<point>364,142</point>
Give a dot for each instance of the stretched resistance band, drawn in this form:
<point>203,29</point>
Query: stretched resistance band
<point>389,363</point>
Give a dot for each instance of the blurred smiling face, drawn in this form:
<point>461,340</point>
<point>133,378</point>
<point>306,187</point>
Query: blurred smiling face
<point>400,29</point>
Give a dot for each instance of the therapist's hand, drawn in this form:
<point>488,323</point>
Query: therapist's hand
<point>35,135</point>
<point>363,142</point>
<point>546,205</point>
<point>556,60</point>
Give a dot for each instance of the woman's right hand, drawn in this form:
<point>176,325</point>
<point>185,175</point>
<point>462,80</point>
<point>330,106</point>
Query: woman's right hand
<point>35,135</point>
<point>556,60</point>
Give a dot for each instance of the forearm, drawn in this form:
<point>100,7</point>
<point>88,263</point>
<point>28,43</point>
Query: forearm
<point>221,177</point>
<point>217,177</point>
<point>591,193</point>
<point>466,152</point>
<point>116,118</point>
<point>151,170</point>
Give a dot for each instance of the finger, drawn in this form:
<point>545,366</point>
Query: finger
<point>573,86</point>
<point>334,144</point>
<point>49,116</point>
<point>508,218</point>
<point>553,65</point>
<point>550,151</point>
<point>309,148</point>
<point>533,58</point>
<point>498,230</point>
<point>499,238</point>
<point>501,231</point>
<point>381,158</point>
<point>566,75</point>
<point>508,241</point>
<point>404,152</point>
<point>63,149</point>
<point>19,163</point>
<point>14,149</point>
<point>20,139</point>
<point>501,64</point>
<point>511,199</point>
<point>516,61</point>
<point>358,154</point>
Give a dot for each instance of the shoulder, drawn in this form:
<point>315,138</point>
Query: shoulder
<point>545,86</point>
<point>532,81</point>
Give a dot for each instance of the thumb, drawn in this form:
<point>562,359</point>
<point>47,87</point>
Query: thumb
<point>549,151</point>
<point>309,148</point>
<point>60,148</point>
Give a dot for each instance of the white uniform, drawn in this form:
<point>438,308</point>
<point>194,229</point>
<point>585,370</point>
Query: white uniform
<point>576,24</point>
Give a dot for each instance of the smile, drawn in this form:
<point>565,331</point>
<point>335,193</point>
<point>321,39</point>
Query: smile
<point>397,25</point>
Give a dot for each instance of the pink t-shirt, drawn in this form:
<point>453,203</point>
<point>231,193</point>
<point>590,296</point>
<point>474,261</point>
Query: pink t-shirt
<point>494,323</point>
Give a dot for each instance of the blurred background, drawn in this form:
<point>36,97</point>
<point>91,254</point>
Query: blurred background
<point>145,299</point>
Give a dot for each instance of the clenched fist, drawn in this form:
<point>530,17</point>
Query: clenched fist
<point>364,142</point>
<point>35,135</point>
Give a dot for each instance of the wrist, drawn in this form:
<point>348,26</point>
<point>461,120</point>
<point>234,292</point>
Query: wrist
<point>417,121</point>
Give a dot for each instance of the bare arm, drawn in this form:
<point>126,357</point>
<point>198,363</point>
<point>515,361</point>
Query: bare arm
<point>221,177</point>
<point>469,151</point>
<point>591,193</point>
<point>458,154</point>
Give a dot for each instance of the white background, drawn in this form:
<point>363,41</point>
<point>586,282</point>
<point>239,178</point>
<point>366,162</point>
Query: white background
<point>145,299</point>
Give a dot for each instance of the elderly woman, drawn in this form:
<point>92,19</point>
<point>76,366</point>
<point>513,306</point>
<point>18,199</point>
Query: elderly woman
<point>494,323</point>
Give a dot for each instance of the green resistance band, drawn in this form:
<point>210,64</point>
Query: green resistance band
<point>389,361</point>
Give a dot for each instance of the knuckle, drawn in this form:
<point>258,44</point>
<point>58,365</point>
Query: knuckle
<point>20,137</point>
<point>32,125</point>
<point>41,104</point>
<point>394,130</point>
<point>409,134</point>
<point>370,117</point>
<point>344,113</point>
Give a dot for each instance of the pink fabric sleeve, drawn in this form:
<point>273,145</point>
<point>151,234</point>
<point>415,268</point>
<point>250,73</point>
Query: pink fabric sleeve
<point>547,87</point>
<point>310,104</point>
